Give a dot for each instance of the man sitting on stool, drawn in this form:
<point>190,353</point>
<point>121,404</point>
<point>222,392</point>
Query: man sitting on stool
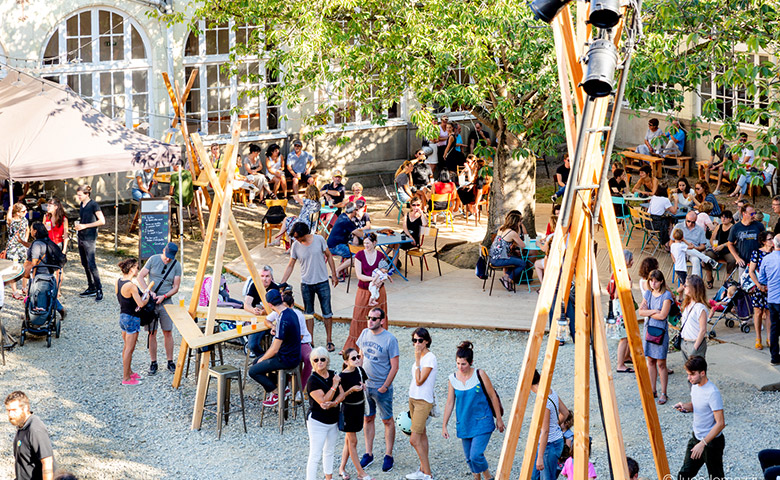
<point>285,350</point>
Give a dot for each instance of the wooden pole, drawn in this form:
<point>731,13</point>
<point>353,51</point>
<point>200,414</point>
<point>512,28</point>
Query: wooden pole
<point>583,314</point>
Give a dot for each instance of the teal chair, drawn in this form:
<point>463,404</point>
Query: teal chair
<point>628,223</point>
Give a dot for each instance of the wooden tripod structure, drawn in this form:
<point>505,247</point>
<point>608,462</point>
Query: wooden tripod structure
<point>572,257</point>
<point>184,319</point>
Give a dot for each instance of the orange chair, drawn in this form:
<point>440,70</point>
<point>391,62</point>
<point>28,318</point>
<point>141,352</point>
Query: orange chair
<point>431,247</point>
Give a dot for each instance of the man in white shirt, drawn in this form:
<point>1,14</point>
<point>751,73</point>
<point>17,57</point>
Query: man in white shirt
<point>653,132</point>
<point>707,442</point>
<point>695,239</point>
<point>747,160</point>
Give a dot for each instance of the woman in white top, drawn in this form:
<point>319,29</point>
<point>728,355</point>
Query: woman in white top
<point>683,195</point>
<point>693,326</point>
<point>421,399</point>
<point>551,436</point>
<point>274,169</point>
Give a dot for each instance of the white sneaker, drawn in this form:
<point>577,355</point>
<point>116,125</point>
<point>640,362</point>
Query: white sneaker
<point>418,475</point>
<point>427,477</point>
<point>716,192</point>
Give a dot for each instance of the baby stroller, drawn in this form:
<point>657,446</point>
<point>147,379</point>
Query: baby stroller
<point>737,309</point>
<point>40,313</point>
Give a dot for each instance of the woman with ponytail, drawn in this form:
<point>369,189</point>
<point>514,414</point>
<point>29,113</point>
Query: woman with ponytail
<point>471,394</point>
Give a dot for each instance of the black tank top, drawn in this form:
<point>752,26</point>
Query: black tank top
<point>414,227</point>
<point>723,236</point>
<point>126,305</point>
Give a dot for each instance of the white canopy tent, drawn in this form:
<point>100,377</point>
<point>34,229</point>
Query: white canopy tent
<point>50,133</point>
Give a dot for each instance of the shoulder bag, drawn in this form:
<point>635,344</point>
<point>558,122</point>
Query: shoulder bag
<point>490,403</point>
<point>148,313</point>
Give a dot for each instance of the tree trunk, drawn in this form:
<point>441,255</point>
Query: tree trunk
<point>513,188</point>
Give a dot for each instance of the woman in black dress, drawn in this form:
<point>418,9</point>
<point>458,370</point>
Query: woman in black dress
<point>352,410</point>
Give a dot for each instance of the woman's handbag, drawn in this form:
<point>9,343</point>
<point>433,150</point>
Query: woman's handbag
<point>490,403</point>
<point>363,375</point>
<point>655,335</point>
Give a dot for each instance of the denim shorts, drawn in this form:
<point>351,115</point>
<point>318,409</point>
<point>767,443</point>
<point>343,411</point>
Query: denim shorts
<point>321,290</point>
<point>129,324</point>
<point>382,400</point>
<point>341,250</point>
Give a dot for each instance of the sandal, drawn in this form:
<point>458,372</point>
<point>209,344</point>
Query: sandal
<point>758,345</point>
<point>506,284</point>
<point>331,347</point>
<point>627,370</point>
<point>18,296</point>
<point>662,399</point>
<point>344,476</point>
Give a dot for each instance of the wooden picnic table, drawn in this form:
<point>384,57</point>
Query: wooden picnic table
<point>634,161</point>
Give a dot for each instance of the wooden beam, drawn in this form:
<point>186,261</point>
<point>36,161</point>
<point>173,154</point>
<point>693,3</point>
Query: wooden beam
<point>584,317</point>
<point>623,291</point>
<point>571,53</point>
<point>569,117</point>
<point>609,406</point>
<point>184,96</point>
<point>554,260</point>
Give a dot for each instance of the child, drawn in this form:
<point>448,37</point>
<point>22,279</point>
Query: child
<point>678,249</point>
<point>718,306</point>
<point>378,277</point>
<point>703,218</point>
<point>568,440</point>
<point>568,467</point>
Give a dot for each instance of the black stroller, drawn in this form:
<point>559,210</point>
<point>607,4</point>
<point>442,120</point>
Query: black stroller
<point>40,313</point>
<point>737,309</point>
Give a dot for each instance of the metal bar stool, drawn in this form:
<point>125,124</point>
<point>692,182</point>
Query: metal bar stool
<point>286,403</point>
<point>197,352</point>
<point>224,374</point>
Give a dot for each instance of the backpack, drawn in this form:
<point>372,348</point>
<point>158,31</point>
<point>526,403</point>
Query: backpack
<point>54,255</point>
<point>275,215</point>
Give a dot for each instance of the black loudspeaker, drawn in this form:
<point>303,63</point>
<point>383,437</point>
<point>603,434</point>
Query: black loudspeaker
<point>604,13</point>
<point>546,10</point>
<point>602,61</point>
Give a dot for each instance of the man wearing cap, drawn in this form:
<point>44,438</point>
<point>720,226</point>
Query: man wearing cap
<point>165,272</point>
<point>299,168</point>
<point>341,236</point>
<point>334,191</point>
<point>284,352</point>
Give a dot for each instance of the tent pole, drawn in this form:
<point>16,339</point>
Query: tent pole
<point>181,221</point>
<point>10,193</point>
<point>116,212</point>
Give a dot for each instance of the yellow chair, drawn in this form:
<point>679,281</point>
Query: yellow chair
<point>429,247</point>
<point>441,198</point>
<point>268,228</point>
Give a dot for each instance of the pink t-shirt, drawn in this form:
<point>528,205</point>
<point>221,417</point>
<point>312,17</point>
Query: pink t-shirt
<point>568,469</point>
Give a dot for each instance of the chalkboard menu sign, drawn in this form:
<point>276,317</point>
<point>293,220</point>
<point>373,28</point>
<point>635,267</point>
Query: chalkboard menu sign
<point>155,229</point>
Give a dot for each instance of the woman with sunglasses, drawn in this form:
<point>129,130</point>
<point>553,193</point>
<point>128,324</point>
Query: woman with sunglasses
<point>471,394</point>
<point>352,411</point>
<point>758,297</point>
<point>421,399</point>
<point>323,416</point>
<point>702,193</point>
<point>18,241</point>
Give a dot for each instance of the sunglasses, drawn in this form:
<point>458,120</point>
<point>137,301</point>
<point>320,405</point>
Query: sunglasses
<point>690,221</point>
<point>376,319</point>
<point>356,357</point>
<point>418,340</point>
<point>318,360</point>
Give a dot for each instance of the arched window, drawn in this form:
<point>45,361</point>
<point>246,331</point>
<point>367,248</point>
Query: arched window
<point>103,56</point>
<point>216,98</point>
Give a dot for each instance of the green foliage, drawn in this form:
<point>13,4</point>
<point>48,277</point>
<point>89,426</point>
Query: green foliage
<point>689,44</point>
<point>489,58</point>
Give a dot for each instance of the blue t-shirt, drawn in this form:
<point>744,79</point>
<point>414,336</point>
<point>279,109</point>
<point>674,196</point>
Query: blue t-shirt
<point>339,234</point>
<point>289,332</point>
<point>377,351</point>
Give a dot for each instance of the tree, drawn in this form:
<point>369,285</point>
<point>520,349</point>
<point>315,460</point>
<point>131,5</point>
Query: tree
<point>689,46</point>
<point>491,59</point>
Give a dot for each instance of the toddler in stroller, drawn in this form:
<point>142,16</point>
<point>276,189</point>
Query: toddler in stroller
<point>736,307</point>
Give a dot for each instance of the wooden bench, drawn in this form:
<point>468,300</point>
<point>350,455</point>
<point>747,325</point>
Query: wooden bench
<point>634,161</point>
<point>700,165</point>
<point>681,168</point>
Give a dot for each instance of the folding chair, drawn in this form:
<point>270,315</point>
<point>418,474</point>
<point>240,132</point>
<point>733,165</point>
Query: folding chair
<point>491,269</point>
<point>628,224</point>
<point>651,233</point>
<point>394,203</point>
<point>424,249</point>
<point>441,198</point>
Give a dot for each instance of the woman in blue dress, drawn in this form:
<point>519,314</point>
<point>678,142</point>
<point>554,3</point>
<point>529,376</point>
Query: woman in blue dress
<point>655,307</point>
<point>471,394</point>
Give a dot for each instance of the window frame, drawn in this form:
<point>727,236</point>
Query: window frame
<point>202,61</point>
<point>61,70</point>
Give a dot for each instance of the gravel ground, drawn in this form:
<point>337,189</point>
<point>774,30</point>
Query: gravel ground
<point>102,430</point>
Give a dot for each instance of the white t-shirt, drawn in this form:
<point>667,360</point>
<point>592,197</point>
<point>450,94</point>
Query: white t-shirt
<point>747,157</point>
<point>424,391</point>
<point>705,221</point>
<point>678,250</point>
<point>690,321</point>
<point>658,205</point>
<point>706,399</point>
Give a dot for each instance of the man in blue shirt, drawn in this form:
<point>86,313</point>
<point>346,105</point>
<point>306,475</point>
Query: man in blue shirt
<point>676,136</point>
<point>285,350</point>
<point>769,282</point>
<point>341,235</point>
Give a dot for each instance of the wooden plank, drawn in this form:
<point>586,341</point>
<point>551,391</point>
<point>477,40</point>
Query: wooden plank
<point>584,317</point>
<point>571,53</point>
<point>200,395</point>
<point>184,323</point>
<point>226,335</point>
<point>623,291</point>
<point>613,430</point>
<point>535,337</point>
<point>569,117</point>
<point>227,313</point>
